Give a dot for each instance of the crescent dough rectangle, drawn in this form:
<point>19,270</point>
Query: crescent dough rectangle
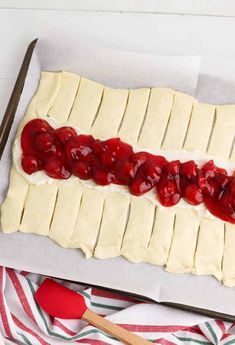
<point>232,157</point>
<point>137,236</point>
<point>224,128</point>
<point>113,225</point>
<point>12,208</point>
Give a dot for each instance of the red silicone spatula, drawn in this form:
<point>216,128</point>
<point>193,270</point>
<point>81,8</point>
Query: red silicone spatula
<point>61,302</point>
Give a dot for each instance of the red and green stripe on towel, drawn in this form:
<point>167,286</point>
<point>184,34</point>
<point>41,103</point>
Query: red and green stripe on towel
<point>23,322</point>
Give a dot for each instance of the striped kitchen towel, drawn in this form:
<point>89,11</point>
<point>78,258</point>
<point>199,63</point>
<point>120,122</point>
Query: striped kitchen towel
<point>23,322</point>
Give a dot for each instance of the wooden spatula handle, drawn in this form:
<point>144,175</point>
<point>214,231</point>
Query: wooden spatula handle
<point>118,332</point>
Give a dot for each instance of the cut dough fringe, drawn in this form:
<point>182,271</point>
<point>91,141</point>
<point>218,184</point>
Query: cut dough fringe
<point>105,224</point>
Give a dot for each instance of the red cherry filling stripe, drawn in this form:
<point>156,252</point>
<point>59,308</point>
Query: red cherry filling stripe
<point>62,153</point>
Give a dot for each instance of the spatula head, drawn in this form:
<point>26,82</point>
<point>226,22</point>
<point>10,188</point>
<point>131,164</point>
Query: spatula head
<point>59,301</point>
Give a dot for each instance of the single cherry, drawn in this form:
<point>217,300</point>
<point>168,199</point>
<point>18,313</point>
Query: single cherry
<point>77,149</point>
<point>30,131</point>
<point>172,168</point>
<point>189,169</point>
<point>82,170</point>
<point>118,149</point>
<point>86,140</point>
<point>30,164</point>
<point>139,186</point>
<point>193,194</point>
<point>222,207</point>
<point>44,142</point>
<point>168,193</point>
<point>125,171</point>
<point>152,173</point>
<point>208,185</point>
<point>232,187</point>
<point>56,169</point>
<point>103,177</point>
<point>108,159</point>
<point>65,133</point>
<point>209,169</point>
<point>139,158</point>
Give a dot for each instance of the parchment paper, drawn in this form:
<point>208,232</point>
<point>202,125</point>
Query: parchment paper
<point>76,53</point>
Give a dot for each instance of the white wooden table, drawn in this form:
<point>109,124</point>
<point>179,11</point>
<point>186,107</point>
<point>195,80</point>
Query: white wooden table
<point>154,26</point>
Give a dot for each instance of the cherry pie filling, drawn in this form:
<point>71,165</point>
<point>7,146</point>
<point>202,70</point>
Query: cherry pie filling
<point>61,153</point>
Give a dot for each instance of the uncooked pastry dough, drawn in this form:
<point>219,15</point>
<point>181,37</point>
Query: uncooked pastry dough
<point>158,111</point>
<point>61,227</point>
<point>116,207</point>
<point>139,229</point>
<point>86,230</point>
<point>160,242</point>
<point>181,258</point>
<point>107,224</point>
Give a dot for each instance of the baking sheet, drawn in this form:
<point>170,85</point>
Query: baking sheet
<point>56,51</point>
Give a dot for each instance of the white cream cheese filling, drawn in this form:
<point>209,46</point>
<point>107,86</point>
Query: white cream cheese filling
<point>200,158</point>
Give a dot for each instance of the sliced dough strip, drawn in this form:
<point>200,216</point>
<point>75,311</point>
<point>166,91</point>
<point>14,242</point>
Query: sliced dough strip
<point>210,248</point>
<point>13,205</point>
<point>111,231</point>
<point>86,104</point>
<point>124,112</point>
<point>228,259</point>
<point>178,123</point>
<point>160,242</point>
<point>65,213</point>
<point>223,132</point>
<point>137,236</point>
<point>42,101</point>
<point>183,246</point>
<point>88,221</point>
<point>232,151</point>
<point>63,103</point>
<point>201,122</point>
<point>38,210</point>
<point>158,112</point>
<point>134,114</point>
<point>110,113</point>
<point>232,154</point>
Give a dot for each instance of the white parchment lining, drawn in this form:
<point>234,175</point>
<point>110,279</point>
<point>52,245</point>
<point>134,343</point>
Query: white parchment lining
<point>215,83</point>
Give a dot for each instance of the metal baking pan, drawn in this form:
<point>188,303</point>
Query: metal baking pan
<point>5,128</point>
